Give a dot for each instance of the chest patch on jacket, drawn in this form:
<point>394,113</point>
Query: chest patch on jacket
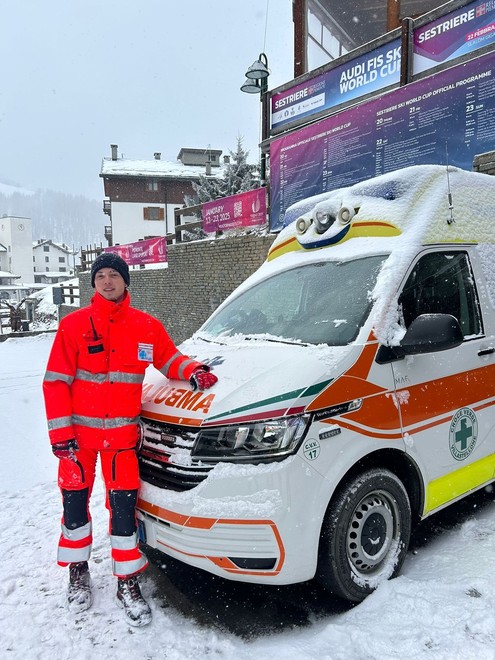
<point>145,352</point>
<point>95,348</point>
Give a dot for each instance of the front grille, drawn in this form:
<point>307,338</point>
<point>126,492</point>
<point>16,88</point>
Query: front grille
<point>165,457</point>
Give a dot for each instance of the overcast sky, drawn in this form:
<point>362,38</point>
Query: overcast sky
<point>148,75</point>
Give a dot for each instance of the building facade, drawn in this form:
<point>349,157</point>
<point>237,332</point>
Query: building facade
<point>327,29</point>
<point>141,195</point>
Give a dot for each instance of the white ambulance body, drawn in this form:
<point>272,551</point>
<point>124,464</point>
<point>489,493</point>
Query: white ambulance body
<point>356,390</point>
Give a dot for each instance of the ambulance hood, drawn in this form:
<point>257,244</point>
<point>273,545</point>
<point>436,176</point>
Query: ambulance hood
<point>257,379</point>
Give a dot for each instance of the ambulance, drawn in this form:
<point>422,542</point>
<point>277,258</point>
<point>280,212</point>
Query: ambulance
<point>356,391</point>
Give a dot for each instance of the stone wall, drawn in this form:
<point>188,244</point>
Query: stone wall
<point>485,163</point>
<point>200,275</point>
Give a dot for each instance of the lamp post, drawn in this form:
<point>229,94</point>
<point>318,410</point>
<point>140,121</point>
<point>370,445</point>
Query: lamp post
<point>257,83</point>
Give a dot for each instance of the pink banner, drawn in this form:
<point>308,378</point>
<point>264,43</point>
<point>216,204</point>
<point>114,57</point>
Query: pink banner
<point>242,210</point>
<point>150,251</point>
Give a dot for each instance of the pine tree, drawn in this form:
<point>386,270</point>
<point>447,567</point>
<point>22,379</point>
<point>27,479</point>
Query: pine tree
<point>238,177</point>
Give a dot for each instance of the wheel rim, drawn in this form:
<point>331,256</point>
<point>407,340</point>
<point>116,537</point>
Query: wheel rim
<point>373,530</point>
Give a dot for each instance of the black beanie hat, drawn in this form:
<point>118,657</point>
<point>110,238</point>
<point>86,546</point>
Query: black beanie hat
<point>110,260</point>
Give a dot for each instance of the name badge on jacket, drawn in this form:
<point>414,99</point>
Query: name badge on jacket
<point>145,352</point>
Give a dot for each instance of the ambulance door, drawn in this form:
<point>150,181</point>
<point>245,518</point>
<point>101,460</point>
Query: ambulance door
<point>446,407</point>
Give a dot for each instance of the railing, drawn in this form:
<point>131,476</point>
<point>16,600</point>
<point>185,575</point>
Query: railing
<point>65,294</point>
<point>187,226</point>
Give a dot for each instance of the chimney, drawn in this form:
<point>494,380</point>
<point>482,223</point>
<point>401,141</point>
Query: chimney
<point>114,148</point>
<point>226,160</point>
<point>158,155</point>
<point>208,168</point>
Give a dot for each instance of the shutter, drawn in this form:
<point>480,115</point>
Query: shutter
<point>162,214</point>
<point>146,214</point>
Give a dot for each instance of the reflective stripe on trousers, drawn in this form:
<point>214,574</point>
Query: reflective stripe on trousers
<point>74,544</point>
<point>127,558</point>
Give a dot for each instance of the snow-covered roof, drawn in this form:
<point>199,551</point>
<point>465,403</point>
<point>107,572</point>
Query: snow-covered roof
<point>61,246</point>
<point>156,168</point>
<point>53,273</point>
<point>6,273</point>
<point>429,203</point>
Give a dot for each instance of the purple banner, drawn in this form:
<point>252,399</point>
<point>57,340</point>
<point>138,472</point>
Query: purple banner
<point>450,114</point>
<point>457,33</point>
<point>243,210</point>
<point>371,72</point>
<point>150,251</point>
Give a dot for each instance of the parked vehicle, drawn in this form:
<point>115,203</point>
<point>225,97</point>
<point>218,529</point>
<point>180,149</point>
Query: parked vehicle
<point>356,391</point>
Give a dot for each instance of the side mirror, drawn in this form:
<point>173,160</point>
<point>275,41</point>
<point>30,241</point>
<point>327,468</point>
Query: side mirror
<point>428,333</point>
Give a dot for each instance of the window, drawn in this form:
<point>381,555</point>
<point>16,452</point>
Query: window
<point>442,283</point>
<point>46,248</point>
<point>62,269</point>
<point>34,258</point>
<point>61,260</point>
<point>47,259</point>
<point>152,186</point>
<point>153,213</point>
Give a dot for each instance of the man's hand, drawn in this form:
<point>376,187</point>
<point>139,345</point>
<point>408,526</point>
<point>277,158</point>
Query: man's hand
<point>66,449</point>
<point>202,379</point>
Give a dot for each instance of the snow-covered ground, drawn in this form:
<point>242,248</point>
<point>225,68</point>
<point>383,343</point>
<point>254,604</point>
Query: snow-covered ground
<point>441,607</point>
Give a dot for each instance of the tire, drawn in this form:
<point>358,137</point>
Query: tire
<point>365,535</point>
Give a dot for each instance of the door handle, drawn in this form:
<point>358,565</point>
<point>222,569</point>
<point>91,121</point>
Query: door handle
<point>486,351</point>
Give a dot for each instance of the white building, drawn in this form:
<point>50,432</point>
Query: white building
<point>16,235</point>
<point>52,262</point>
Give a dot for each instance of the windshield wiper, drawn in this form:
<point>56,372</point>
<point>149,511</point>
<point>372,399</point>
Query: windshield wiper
<point>210,341</point>
<point>275,341</point>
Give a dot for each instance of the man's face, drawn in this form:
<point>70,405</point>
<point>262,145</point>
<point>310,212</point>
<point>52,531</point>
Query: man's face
<point>110,284</point>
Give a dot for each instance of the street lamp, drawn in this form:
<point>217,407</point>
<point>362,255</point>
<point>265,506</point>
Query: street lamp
<point>257,83</point>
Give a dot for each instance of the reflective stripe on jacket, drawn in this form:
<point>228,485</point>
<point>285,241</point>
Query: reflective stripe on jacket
<point>93,381</point>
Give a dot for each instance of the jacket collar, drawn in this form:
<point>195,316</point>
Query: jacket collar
<point>109,309</point>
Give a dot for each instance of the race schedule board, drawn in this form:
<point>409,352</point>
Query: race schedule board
<point>446,117</point>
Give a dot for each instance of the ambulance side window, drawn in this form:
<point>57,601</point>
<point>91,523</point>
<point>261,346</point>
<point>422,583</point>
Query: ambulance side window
<point>443,283</point>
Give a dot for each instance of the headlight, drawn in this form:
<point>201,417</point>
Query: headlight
<point>274,438</point>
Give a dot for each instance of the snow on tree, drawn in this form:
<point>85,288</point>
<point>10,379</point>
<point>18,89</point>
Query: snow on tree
<point>238,177</point>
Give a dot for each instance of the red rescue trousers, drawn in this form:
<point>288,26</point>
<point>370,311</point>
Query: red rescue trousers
<point>121,476</point>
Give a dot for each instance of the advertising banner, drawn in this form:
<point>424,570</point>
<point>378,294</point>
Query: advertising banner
<point>371,72</point>
<point>150,251</point>
<point>243,210</point>
<point>460,32</point>
<point>449,115</point>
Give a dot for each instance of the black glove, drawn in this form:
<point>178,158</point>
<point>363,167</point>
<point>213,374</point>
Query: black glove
<point>66,449</point>
<point>201,379</point>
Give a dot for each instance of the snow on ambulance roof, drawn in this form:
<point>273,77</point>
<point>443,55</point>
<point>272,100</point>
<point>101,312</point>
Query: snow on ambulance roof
<point>414,200</point>
<point>395,213</point>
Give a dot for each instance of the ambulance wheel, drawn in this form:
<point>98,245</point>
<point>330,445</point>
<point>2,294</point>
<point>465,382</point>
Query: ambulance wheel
<point>365,535</point>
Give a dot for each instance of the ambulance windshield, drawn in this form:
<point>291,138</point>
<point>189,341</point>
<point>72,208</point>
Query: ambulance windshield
<point>318,303</point>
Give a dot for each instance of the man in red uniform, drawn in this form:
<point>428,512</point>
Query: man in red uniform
<point>92,389</point>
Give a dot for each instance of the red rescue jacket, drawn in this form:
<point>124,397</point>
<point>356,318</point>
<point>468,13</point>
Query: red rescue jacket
<point>93,381</point>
